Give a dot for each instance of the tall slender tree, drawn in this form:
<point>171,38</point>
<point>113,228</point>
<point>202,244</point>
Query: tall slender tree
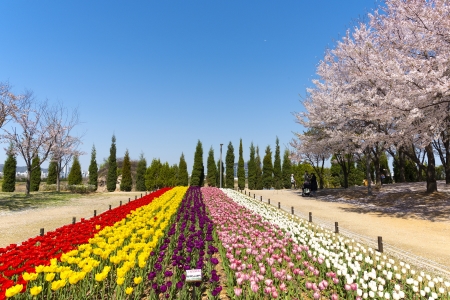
<point>198,175</point>
<point>127,181</point>
<point>251,165</point>
<point>267,176</point>
<point>152,174</point>
<point>174,172</point>
<point>286,170</point>
<point>212,169</point>
<point>112,167</point>
<point>183,176</point>
<point>229,165</point>
<point>35,174</point>
<point>258,172</point>
<point>241,168</point>
<point>9,171</point>
<point>75,176</point>
<point>140,174</point>
<point>277,176</point>
<point>52,172</point>
<point>93,168</point>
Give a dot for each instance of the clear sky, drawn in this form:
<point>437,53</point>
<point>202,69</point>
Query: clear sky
<point>161,75</point>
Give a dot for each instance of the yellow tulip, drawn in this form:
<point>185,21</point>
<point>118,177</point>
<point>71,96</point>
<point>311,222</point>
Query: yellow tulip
<point>137,280</point>
<point>120,280</point>
<point>129,290</point>
<point>14,290</point>
<point>50,276</point>
<point>29,276</point>
<point>35,290</point>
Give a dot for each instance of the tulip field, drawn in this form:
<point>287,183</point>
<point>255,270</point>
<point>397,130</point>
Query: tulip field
<point>242,248</point>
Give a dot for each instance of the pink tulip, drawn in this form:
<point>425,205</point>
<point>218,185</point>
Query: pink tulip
<point>316,295</point>
<point>308,285</point>
<point>283,287</point>
<point>267,290</point>
<point>274,294</point>
<point>254,287</point>
<point>268,282</point>
<point>347,287</point>
<point>354,286</point>
<point>237,291</point>
<point>334,297</point>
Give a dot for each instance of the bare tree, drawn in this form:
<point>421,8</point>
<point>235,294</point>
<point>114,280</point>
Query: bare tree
<point>35,133</point>
<point>10,104</point>
<point>66,143</point>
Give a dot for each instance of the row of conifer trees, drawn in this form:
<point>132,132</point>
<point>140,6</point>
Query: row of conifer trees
<point>260,175</point>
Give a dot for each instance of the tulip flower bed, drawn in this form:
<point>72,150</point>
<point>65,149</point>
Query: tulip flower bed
<point>101,261</point>
<point>187,245</point>
<point>268,254</point>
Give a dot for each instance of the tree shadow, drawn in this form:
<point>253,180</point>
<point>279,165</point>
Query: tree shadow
<point>401,201</point>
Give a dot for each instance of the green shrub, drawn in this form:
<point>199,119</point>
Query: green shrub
<point>81,188</point>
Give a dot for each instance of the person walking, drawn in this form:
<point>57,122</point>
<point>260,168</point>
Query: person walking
<point>313,184</point>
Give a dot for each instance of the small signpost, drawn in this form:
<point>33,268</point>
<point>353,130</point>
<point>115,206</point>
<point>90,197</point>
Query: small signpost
<point>194,275</point>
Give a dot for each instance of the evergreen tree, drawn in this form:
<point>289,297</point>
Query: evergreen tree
<point>111,179</point>
<point>75,176</point>
<point>127,182</point>
<point>251,166</point>
<point>198,175</point>
<point>337,178</point>
<point>241,168</point>
<point>93,169</point>
<point>212,169</point>
<point>183,176</point>
<point>164,175</point>
<point>218,174</point>
<point>52,172</point>
<point>286,170</point>
<point>9,171</point>
<point>140,174</point>
<point>229,165</point>
<point>152,180</point>
<point>258,177</point>
<point>35,174</point>
<point>174,171</point>
<point>267,172</point>
<point>277,176</point>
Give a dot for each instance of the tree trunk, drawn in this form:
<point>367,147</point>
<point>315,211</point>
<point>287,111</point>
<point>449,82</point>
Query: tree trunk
<point>58,172</point>
<point>369,180</point>
<point>401,164</point>
<point>376,164</point>
<point>28,185</point>
<point>431,170</point>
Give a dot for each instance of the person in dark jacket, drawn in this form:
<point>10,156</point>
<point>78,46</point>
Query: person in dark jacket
<point>313,184</point>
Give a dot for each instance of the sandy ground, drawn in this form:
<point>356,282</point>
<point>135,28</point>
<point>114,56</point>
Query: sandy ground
<point>405,216</point>
<point>16,227</point>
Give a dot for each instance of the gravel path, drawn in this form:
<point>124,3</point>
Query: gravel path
<point>16,227</point>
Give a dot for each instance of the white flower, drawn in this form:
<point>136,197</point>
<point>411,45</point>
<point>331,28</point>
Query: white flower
<point>387,295</point>
<point>422,293</point>
<point>427,289</point>
<point>431,284</point>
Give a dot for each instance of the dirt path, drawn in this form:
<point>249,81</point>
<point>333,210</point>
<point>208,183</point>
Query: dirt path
<point>16,227</point>
<point>420,229</point>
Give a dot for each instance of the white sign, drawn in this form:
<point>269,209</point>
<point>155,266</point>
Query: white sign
<point>193,275</point>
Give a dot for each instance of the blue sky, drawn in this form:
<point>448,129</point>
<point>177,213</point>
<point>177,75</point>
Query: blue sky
<point>161,75</point>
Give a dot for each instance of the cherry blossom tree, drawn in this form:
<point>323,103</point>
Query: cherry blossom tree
<point>10,103</point>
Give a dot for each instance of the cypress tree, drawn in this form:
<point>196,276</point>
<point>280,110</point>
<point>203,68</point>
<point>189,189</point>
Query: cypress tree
<point>127,182</point>
<point>164,175</point>
<point>229,165</point>
<point>183,176</point>
<point>241,168</point>
<point>277,176</point>
<point>251,165</point>
<point>212,169</point>
<point>9,172</point>
<point>258,172</point>
<point>93,169</point>
<point>152,180</point>
<point>52,172</point>
<point>111,179</point>
<point>35,174</point>
<point>267,175</point>
<point>174,171</point>
<point>198,175</point>
<point>286,170</point>
<point>75,176</point>
<point>218,174</point>
<point>140,174</point>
